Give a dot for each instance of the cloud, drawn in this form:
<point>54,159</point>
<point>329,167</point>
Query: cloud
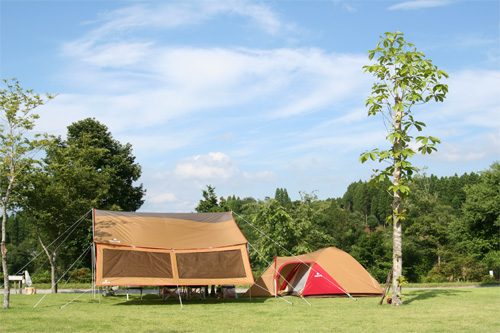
<point>188,176</point>
<point>471,148</point>
<point>346,4</point>
<point>174,15</point>
<point>214,166</point>
<point>418,4</point>
<point>473,99</point>
<point>166,83</point>
<point>162,198</point>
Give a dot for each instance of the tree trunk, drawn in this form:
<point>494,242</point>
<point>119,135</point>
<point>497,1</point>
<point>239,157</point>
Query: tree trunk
<point>397,241</point>
<point>397,259</point>
<point>52,261</point>
<point>53,276</point>
<point>3,249</point>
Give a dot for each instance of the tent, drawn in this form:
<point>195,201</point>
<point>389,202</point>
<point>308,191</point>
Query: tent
<point>162,249</point>
<point>328,271</point>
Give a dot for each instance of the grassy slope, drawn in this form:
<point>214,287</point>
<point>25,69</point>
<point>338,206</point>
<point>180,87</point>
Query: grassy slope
<point>465,309</point>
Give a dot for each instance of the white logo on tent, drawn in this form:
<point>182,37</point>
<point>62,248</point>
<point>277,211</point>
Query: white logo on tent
<point>318,275</point>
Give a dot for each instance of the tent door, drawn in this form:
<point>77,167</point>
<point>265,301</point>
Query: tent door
<point>297,276</point>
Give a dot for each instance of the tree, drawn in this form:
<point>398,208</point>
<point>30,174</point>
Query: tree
<point>88,170</point>
<point>117,160</point>
<point>406,78</point>
<point>282,196</point>
<point>17,152</point>
<point>211,202</point>
<point>65,187</point>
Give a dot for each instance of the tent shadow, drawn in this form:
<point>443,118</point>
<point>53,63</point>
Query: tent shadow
<point>155,300</point>
<point>422,295</point>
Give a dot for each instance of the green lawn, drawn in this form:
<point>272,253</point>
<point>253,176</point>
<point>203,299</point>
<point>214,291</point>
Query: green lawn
<point>461,309</point>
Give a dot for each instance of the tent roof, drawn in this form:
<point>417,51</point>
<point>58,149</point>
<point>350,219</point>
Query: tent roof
<point>167,230</point>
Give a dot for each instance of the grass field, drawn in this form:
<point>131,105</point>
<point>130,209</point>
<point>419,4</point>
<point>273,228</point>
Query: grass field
<point>445,310</point>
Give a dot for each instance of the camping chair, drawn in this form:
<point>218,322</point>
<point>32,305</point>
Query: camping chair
<point>166,291</point>
<point>195,290</point>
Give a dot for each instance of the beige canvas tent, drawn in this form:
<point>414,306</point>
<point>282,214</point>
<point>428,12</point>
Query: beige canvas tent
<point>328,271</point>
<point>160,249</point>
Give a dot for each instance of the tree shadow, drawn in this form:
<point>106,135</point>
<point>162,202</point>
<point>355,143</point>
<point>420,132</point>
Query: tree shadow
<point>422,295</point>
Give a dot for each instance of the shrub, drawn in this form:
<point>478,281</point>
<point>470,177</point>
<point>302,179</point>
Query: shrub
<point>41,277</point>
<point>83,275</point>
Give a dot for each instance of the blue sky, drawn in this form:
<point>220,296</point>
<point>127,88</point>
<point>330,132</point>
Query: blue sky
<point>249,96</point>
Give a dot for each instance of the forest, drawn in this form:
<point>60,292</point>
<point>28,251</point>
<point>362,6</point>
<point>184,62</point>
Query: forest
<point>451,229</point>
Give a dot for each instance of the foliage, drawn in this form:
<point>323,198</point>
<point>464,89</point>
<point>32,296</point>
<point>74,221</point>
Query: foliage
<point>211,202</point>
<point>406,78</point>
<point>373,251</point>
<point>116,159</point>
<point>282,197</point>
<point>81,275</point>
<point>476,232</point>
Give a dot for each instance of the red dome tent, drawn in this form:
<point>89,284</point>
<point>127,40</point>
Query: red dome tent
<point>326,272</point>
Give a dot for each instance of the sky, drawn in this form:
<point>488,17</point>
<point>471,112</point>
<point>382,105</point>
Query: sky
<point>251,96</point>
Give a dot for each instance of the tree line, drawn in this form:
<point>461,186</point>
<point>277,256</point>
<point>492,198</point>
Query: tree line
<point>451,228</point>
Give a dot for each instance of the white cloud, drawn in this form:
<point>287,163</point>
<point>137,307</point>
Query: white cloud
<point>473,99</point>
<point>214,166</point>
<point>175,82</point>
<point>188,176</point>
<point>161,198</point>
<point>417,4</point>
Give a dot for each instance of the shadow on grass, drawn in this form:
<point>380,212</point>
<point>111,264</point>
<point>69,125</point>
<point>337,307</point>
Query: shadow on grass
<point>421,295</point>
<point>155,300</point>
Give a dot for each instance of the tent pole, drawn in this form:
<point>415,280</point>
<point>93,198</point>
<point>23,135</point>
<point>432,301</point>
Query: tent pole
<point>93,256</point>
<point>180,299</point>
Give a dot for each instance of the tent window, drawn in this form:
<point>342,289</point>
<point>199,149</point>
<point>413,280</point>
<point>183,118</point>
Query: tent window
<point>211,265</point>
<point>119,263</point>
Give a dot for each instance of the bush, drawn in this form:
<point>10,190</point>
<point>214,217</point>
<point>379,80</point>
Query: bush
<point>41,277</point>
<point>83,275</point>
<point>439,273</point>
<point>459,270</point>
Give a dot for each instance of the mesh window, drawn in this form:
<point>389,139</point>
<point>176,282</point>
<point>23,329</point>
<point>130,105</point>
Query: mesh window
<point>118,263</point>
<point>211,265</point>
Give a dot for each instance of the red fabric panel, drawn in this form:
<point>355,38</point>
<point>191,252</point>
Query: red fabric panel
<point>320,283</point>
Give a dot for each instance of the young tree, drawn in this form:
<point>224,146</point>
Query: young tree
<point>406,78</point>
<point>17,152</point>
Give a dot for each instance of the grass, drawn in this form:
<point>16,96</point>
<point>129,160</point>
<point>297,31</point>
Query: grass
<point>465,309</point>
